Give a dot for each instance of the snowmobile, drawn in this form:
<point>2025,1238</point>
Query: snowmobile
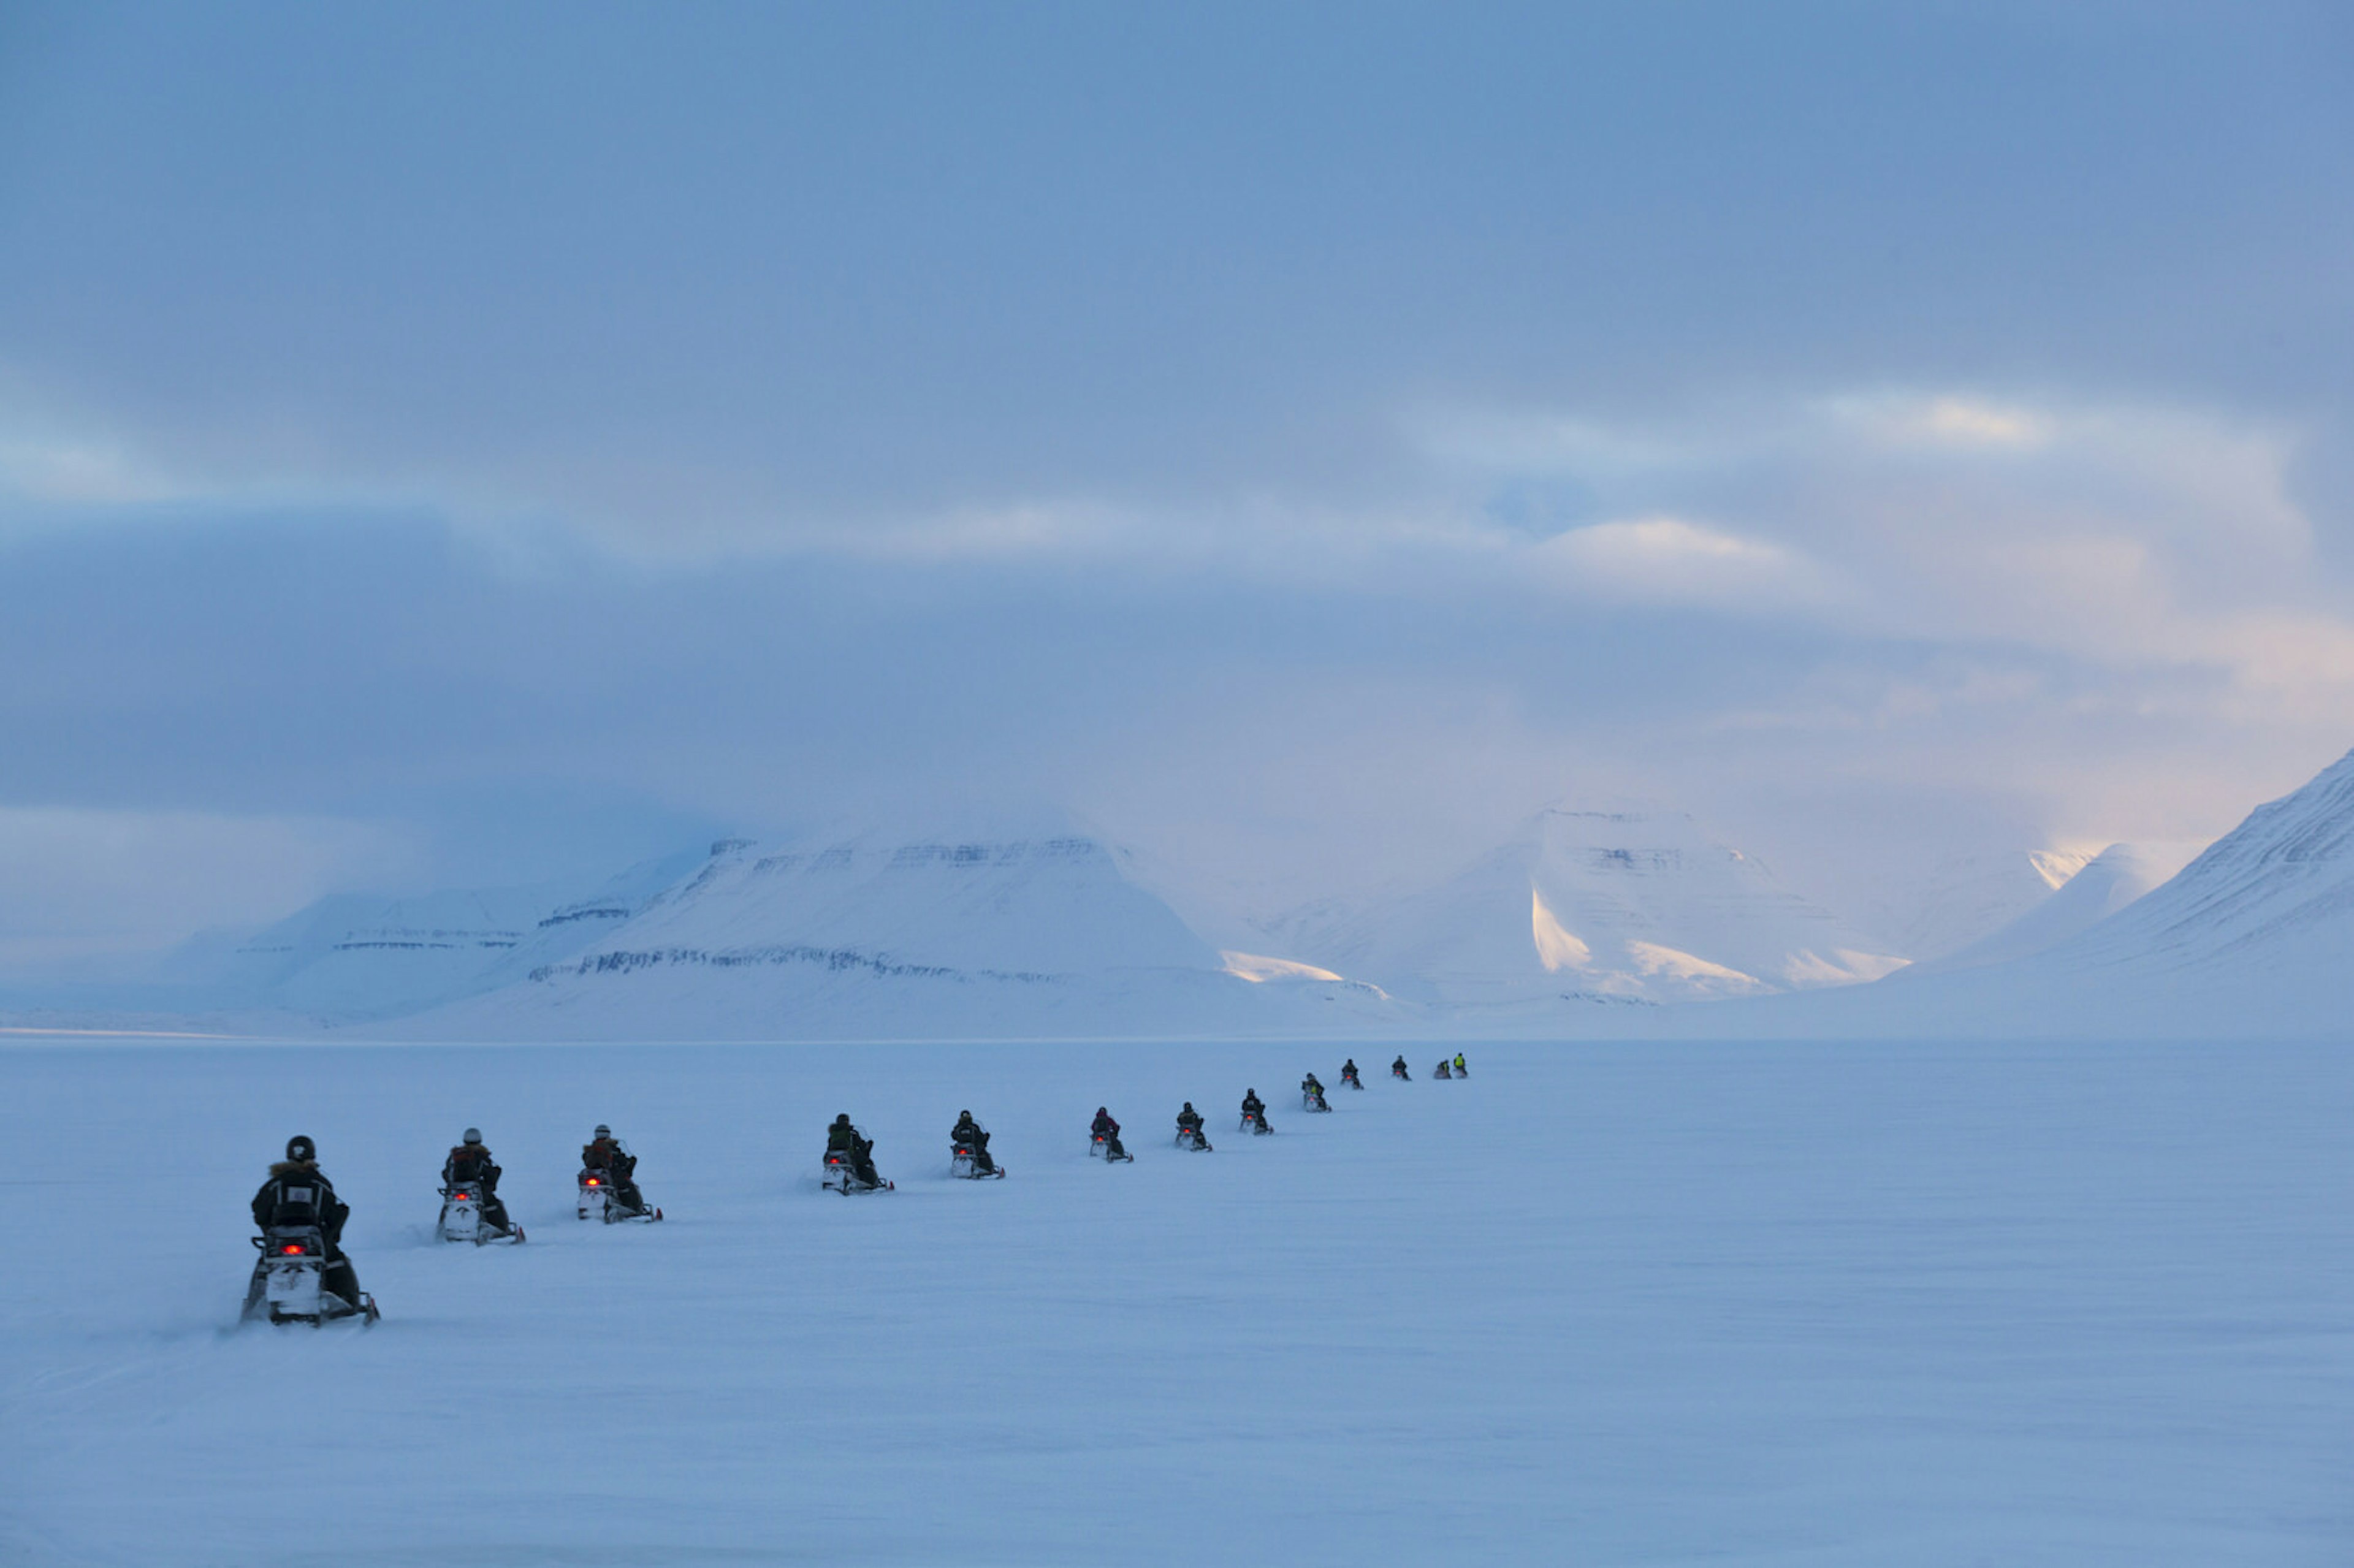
<point>1397,1070</point>
<point>1191,1137</point>
<point>1443,1071</point>
<point>601,1199</point>
<point>843,1175</point>
<point>293,1268</point>
<point>1313,1100</point>
<point>1348,1078</point>
<point>964,1159</point>
<point>1099,1147</point>
<point>1255,1123</point>
<point>461,1218</point>
<point>1461,1070</point>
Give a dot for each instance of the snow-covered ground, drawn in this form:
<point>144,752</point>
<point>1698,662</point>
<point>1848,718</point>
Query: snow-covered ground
<point>1668,1304</point>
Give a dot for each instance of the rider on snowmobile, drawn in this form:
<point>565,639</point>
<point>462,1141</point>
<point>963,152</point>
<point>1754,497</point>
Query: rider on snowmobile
<point>1313,1089</point>
<point>1189,1120</point>
<point>470,1162</point>
<point>604,1154</point>
<point>298,1194</point>
<point>1109,1130</point>
<point>1255,1108</point>
<point>1460,1071</point>
<point>970,1134</point>
<point>845,1140</point>
<point>1397,1070</point>
<point>1349,1071</point>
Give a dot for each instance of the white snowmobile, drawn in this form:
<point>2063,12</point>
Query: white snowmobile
<point>1255,1123</point>
<point>1313,1099</point>
<point>1190,1137</point>
<point>461,1218</point>
<point>293,1270</point>
<point>964,1160</point>
<point>601,1199</point>
<point>843,1174</point>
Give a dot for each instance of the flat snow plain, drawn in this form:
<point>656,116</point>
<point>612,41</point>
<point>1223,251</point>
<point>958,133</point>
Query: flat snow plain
<point>1659,1304</point>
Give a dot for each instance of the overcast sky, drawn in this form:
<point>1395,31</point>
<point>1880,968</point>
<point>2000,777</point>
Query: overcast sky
<point>459,444</point>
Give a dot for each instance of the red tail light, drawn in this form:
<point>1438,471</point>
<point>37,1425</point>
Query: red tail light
<point>594,1182</point>
<point>292,1249</point>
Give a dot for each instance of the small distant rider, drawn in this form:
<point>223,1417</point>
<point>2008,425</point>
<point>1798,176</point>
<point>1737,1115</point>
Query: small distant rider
<point>845,1140</point>
<point>1107,1131</point>
<point>1397,1070</point>
<point>471,1164</point>
<point>1440,1071</point>
<point>1255,1110</point>
<point>970,1134</point>
<point>1349,1073</point>
<point>603,1153</point>
<point>1189,1122</point>
<point>297,1193</point>
<point>1312,1090</point>
<point>1460,1070</point>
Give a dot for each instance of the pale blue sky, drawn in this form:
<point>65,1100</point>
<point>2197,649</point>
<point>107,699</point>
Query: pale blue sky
<point>452,442</point>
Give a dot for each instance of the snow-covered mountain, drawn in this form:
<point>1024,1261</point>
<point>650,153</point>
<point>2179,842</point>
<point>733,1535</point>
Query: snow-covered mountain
<point>1632,906</point>
<point>357,956</point>
<point>877,936</point>
<point>2112,879</point>
<point>2254,937</point>
<point>1964,899</point>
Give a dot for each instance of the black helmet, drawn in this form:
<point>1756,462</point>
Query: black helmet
<point>474,1135</point>
<point>604,1132</point>
<point>1188,1105</point>
<point>1101,1111</point>
<point>301,1148</point>
<point>964,1116</point>
<point>841,1121</point>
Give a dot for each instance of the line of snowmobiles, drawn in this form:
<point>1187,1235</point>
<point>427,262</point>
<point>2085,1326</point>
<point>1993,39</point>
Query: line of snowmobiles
<point>291,1276</point>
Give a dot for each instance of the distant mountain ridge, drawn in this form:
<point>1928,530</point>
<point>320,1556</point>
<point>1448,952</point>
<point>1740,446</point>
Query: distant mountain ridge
<point>1582,904</point>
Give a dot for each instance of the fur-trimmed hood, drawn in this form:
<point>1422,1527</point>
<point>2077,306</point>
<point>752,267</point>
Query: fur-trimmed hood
<point>296,1168</point>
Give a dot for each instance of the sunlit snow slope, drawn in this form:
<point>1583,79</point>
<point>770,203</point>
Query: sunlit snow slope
<point>1590,906</point>
<point>2255,936</point>
<point>883,937</point>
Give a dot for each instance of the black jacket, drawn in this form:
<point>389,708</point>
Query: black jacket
<point>967,1132</point>
<point>472,1162</point>
<point>1253,1105</point>
<point>1105,1127</point>
<point>606,1154</point>
<point>297,1194</point>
